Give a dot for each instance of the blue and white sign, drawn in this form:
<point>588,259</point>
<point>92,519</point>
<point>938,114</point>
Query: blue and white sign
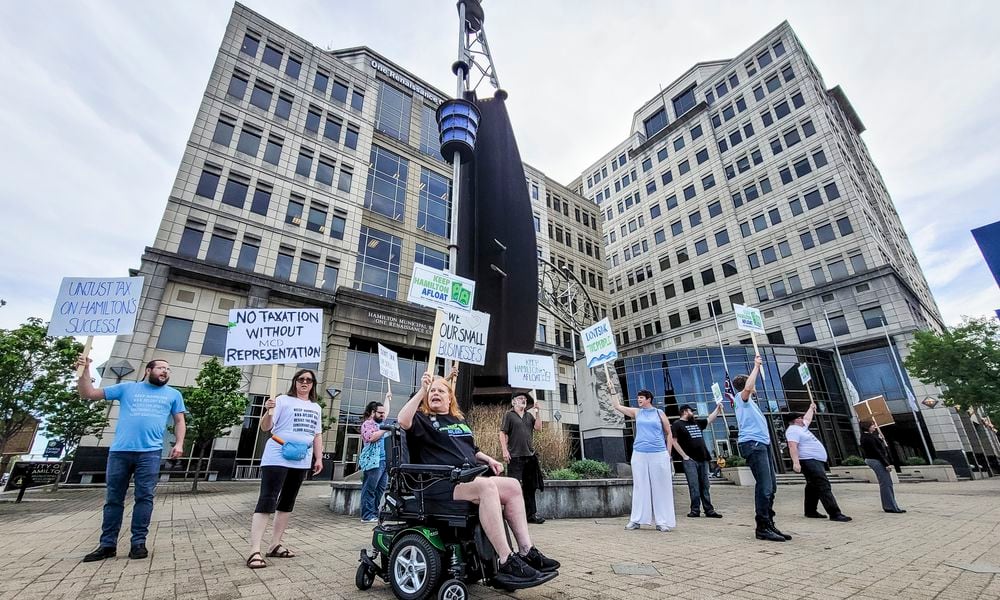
<point>599,344</point>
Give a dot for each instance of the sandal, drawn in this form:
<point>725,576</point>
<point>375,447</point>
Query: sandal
<point>256,563</point>
<point>280,551</point>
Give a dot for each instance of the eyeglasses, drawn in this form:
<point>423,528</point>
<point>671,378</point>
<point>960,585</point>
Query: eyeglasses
<point>304,380</point>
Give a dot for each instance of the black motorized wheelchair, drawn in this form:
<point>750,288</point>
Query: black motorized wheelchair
<point>422,545</point>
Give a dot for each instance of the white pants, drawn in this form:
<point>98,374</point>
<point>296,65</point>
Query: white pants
<point>652,490</point>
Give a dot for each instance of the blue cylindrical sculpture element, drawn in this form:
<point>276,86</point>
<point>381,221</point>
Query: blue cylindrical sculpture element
<point>458,121</point>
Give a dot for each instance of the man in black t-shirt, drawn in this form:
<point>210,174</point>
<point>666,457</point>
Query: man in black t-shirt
<point>689,442</point>
<point>516,436</point>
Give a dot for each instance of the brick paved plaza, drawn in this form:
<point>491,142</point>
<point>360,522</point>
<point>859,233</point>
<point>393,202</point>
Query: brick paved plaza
<point>198,545</point>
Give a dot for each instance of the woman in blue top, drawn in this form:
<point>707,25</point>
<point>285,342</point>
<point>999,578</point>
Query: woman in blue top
<point>652,479</point>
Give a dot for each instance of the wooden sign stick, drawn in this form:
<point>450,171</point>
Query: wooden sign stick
<point>274,387</point>
<point>435,342</point>
<point>753,338</point>
<point>86,354</point>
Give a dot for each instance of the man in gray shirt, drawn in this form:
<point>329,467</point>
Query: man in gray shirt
<point>516,435</point>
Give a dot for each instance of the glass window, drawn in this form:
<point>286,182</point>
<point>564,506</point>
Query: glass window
<point>819,277</point>
<point>759,223</point>
<point>745,229</point>
<point>661,155</point>
<point>667,177</point>
<point>345,179</point>
<point>293,67</point>
<point>741,105</point>
<point>781,109</point>
<point>235,193</point>
<point>377,270</point>
<point>832,193</point>
<point>751,192</point>
<point>764,58</point>
<point>248,255</point>
<point>220,249</point>
<point>702,155</point>
<point>753,260</point>
<point>858,263</point>
<point>721,89</point>
<point>304,165</point>
<point>689,192</point>
<point>787,73</point>
<point>758,93</point>
<point>317,218</point>
<point>682,255</point>
<point>249,142</point>
<point>669,291</point>
<point>762,293</point>
<point>331,130</point>
<point>351,139</point>
<point>431,257</point>
<point>386,191</point>
<point>308,269</point>
<point>721,238</point>
<point>794,284</point>
<point>773,83</point>
<point>250,45</point>
<point>238,85</point>
<point>839,326</point>
<point>695,218</point>
<point>798,101</point>
<point>330,274</point>
<point>392,116</point>
<point>784,249</point>
<point>824,233</point>
<point>272,56</point>
<point>223,132</point>
<point>679,143</point>
<point>659,236</point>
<point>715,209</point>
<point>792,138</point>
<point>874,317</point>
<point>654,211</point>
<point>208,184</point>
<point>676,227</point>
<point>728,112</point>
<point>294,213</point>
<point>174,334</point>
<point>729,268</point>
<point>435,200</point>
<point>808,129</point>
<point>321,81</point>
<point>766,118</point>
<point>774,216</point>
<point>283,108</point>
<point>701,246</point>
<point>696,132</point>
<point>838,269</point>
<point>687,284</point>
<point>655,123</point>
<point>684,102</point>
<point>768,255</point>
<point>647,164</point>
<point>684,167</point>
<point>786,175</point>
<point>337,227</point>
<point>671,202</point>
<point>844,225</point>
<point>708,276</point>
<point>805,333</point>
<point>807,240</point>
<point>324,171</point>
<point>261,97</point>
<point>778,289</point>
<point>272,152</point>
<point>813,199</point>
<point>779,48</point>
<point>339,91</point>
<point>357,100</point>
<point>283,266</point>
<point>796,207</point>
<point>190,242</point>
<point>708,182</point>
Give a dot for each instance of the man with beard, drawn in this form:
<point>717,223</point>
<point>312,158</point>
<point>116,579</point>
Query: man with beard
<point>372,459</point>
<point>516,436</point>
<point>689,442</point>
<point>142,418</point>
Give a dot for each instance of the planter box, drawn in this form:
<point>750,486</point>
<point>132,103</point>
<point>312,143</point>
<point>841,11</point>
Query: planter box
<point>585,498</point>
<point>741,476</point>
<point>862,472</point>
<point>935,472</point>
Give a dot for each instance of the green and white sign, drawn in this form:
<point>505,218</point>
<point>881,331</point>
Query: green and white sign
<point>599,344</point>
<point>438,289</point>
<point>717,393</point>
<point>748,318</point>
<point>804,373</point>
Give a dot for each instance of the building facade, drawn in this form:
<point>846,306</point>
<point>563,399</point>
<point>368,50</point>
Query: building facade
<point>746,181</point>
<point>313,178</point>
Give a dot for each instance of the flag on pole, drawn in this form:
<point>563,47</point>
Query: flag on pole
<point>728,391</point>
<point>912,401</point>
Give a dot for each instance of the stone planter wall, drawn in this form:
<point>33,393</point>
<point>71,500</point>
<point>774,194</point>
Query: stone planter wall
<point>936,472</point>
<point>741,476</point>
<point>862,472</point>
<point>585,498</point>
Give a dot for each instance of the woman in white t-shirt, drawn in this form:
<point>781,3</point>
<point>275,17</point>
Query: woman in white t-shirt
<point>296,443</point>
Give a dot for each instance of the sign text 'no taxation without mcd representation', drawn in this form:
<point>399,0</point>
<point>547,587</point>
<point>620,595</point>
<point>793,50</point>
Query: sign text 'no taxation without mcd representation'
<point>265,336</point>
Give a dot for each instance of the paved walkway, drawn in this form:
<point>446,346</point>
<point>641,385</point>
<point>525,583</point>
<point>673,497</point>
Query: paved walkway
<point>198,545</point>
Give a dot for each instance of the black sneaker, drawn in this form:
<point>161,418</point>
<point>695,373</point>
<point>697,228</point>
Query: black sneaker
<point>694,513</point>
<point>138,551</point>
<point>768,535</point>
<point>815,515</point>
<point>842,518</point>
<point>540,562</point>
<point>713,515</point>
<point>536,520</point>
<point>101,553</point>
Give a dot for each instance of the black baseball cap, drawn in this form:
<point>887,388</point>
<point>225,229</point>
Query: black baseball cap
<point>790,417</point>
<point>684,407</point>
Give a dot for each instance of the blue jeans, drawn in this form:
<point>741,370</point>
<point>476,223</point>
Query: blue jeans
<point>372,487</point>
<point>121,466</point>
<point>697,479</point>
<point>758,457</point>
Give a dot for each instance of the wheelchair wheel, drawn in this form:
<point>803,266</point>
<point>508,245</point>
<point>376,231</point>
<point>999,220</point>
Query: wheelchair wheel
<point>364,577</point>
<point>453,589</point>
<point>414,567</point>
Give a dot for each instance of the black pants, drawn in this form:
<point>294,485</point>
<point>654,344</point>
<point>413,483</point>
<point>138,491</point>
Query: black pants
<point>278,488</point>
<point>696,473</point>
<point>520,468</point>
<point>818,488</point>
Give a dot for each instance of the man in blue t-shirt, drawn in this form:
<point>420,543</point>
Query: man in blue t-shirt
<point>142,418</point>
<point>754,443</point>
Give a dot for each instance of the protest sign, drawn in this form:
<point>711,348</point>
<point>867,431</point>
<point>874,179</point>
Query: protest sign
<point>273,336</point>
<point>461,336</point>
<point>88,306</point>
<point>749,319</point>
<point>388,363</point>
<point>531,371</point>
<point>876,410</point>
<point>804,373</point>
<point>599,343</point>
<point>717,393</point>
<point>434,288</point>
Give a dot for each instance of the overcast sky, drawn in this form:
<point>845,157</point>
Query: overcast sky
<point>100,96</point>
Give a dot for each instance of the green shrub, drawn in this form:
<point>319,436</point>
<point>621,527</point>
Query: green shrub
<point>853,461</point>
<point>591,469</point>
<point>940,461</point>
<point>563,474</point>
<point>915,461</point>
<point>736,461</point>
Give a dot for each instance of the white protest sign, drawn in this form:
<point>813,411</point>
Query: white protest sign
<point>437,289</point>
<point>388,363</point>
<point>462,337</point>
<point>804,373</point>
<point>717,393</point>
<point>91,306</point>
<point>748,318</point>
<point>531,371</point>
<point>274,336</point>
<point>599,343</point>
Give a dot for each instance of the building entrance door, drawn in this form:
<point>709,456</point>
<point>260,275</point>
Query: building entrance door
<point>352,448</point>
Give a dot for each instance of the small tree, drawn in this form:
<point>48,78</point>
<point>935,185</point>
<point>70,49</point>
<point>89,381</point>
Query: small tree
<point>214,406</point>
<point>33,368</point>
<point>965,360</point>
<point>68,418</point>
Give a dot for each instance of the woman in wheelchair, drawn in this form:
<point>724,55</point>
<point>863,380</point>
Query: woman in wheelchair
<point>437,433</point>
